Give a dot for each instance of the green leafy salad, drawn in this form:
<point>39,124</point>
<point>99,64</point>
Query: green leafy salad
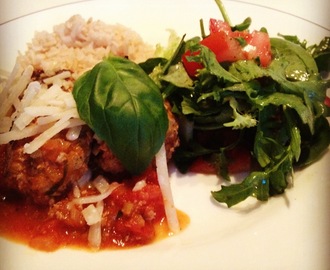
<point>244,102</point>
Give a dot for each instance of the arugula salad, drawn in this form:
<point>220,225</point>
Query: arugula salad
<point>245,102</point>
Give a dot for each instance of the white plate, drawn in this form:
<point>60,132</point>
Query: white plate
<point>287,232</point>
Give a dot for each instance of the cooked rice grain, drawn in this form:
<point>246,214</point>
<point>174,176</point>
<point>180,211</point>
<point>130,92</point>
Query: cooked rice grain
<point>79,44</point>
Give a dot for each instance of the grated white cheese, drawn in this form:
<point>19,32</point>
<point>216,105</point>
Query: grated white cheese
<point>16,134</point>
<point>76,191</point>
<point>95,233</point>
<point>165,187</point>
<point>40,108</point>
<point>39,141</point>
<point>73,133</point>
<point>93,213</point>
<point>139,185</point>
<point>101,184</point>
<point>96,198</point>
<point>56,78</point>
<point>11,93</point>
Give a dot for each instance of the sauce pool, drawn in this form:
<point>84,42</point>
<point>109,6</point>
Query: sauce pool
<point>30,224</point>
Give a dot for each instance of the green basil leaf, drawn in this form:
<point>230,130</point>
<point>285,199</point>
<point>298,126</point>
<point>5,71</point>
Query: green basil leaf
<point>124,107</point>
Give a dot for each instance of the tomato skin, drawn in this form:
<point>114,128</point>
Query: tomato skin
<point>219,26</point>
<point>191,67</point>
<point>261,42</point>
<point>225,47</point>
<point>258,42</point>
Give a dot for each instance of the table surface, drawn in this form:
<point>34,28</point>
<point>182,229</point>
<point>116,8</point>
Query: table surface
<point>316,11</point>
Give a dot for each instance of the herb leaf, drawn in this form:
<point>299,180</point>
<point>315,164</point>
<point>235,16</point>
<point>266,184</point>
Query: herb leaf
<point>124,107</point>
<point>256,184</point>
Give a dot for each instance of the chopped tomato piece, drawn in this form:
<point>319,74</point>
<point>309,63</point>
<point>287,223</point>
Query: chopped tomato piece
<point>201,165</point>
<point>229,46</point>
<point>191,66</point>
<point>260,44</point>
<point>219,26</point>
<point>225,47</point>
<point>327,101</point>
<point>240,160</point>
<point>257,42</point>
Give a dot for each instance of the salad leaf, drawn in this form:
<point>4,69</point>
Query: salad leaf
<point>209,61</point>
<point>275,112</point>
<point>124,107</point>
<point>256,184</point>
<point>320,52</point>
<point>313,146</point>
<point>241,120</point>
<point>172,44</point>
<point>281,105</point>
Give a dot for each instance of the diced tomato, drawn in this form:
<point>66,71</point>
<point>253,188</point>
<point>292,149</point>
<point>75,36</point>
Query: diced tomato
<point>227,48</point>
<point>260,43</point>
<point>216,26</point>
<point>201,165</point>
<point>240,160</point>
<point>327,101</point>
<point>190,67</point>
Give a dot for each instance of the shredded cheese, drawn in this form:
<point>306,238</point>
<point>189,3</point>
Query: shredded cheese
<point>101,184</point>
<point>95,233</point>
<point>139,185</point>
<point>165,187</point>
<point>11,93</point>
<point>96,198</point>
<point>93,212</point>
<point>41,109</point>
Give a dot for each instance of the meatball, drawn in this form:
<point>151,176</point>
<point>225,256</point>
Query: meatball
<point>47,174</point>
<point>108,162</point>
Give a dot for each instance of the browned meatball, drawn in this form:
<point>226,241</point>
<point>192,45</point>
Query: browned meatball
<point>172,137</point>
<point>48,173</point>
<point>110,163</point>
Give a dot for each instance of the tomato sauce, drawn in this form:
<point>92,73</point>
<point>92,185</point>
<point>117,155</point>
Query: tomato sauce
<point>132,218</point>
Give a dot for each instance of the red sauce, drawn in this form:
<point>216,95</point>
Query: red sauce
<point>132,218</point>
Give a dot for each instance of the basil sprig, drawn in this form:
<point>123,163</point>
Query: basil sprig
<point>124,107</point>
